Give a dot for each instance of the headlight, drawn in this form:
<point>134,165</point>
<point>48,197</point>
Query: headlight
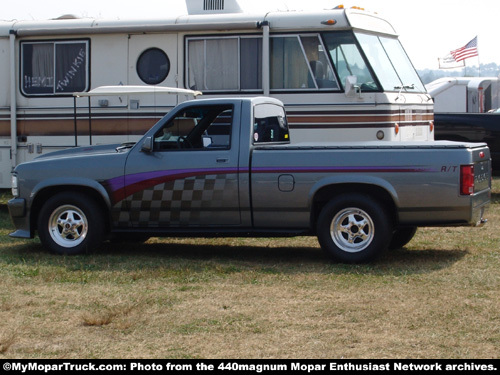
<point>15,188</point>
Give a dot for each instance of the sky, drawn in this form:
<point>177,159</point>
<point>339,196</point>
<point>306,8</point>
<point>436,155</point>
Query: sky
<point>428,29</point>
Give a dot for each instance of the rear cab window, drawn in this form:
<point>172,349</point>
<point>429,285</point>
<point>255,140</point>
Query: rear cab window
<point>270,124</point>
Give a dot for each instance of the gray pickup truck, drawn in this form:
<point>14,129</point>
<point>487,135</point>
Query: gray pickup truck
<point>226,167</point>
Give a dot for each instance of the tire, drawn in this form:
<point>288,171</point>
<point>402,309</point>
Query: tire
<point>354,228</point>
<point>71,224</point>
<point>401,237</point>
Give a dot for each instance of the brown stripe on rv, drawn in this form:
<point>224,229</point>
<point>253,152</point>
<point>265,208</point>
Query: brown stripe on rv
<point>138,126</point>
<point>67,127</point>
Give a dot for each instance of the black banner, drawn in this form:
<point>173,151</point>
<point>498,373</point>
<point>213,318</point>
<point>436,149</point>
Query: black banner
<point>248,366</point>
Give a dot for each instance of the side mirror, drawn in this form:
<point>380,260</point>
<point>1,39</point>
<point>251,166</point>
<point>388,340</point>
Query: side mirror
<point>147,145</point>
<point>350,86</point>
<point>207,141</point>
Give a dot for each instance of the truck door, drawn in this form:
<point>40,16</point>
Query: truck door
<point>190,177</point>
<point>277,184</point>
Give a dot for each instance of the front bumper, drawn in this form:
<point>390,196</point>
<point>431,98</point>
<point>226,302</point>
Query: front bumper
<point>17,207</point>
<point>20,218</point>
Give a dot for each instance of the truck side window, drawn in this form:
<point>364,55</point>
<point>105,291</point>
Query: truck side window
<point>270,124</point>
<point>197,128</point>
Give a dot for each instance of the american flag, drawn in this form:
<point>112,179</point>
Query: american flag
<point>469,50</point>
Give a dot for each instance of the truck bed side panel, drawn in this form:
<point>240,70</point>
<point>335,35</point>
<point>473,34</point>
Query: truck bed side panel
<point>423,182</point>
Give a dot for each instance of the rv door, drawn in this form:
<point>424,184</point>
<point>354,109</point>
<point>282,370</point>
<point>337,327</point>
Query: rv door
<point>152,60</point>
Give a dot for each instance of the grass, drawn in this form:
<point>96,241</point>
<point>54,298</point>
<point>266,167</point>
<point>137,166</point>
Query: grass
<point>254,298</point>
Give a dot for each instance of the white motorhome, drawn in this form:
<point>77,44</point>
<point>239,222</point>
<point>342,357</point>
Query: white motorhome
<point>465,94</point>
<point>342,74</point>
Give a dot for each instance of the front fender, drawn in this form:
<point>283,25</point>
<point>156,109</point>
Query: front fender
<point>71,182</point>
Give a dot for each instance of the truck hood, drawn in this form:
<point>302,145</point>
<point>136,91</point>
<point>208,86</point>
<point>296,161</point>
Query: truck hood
<point>87,151</point>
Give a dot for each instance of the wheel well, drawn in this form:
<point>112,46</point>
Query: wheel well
<point>45,194</point>
<point>326,193</point>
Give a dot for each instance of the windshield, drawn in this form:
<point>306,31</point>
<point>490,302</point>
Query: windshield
<point>390,63</point>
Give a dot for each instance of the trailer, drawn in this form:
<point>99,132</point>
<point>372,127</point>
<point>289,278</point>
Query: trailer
<point>465,94</point>
<point>467,109</point>
<point>341,73</point>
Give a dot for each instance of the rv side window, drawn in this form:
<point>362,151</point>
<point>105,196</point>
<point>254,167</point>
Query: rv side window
<point>224,64</point>
<point>300,63</point>
<point>153,66</point>
<point>348,60</point>
<point>54,67</point>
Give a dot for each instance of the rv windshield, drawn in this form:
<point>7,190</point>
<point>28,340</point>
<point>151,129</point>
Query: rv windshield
<point>390,63</point>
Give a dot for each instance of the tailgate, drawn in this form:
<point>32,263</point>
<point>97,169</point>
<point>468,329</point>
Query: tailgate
<point>482,169</point>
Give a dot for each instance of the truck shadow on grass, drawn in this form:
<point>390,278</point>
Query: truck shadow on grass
<point>495,198</point>
<point>227,258</point>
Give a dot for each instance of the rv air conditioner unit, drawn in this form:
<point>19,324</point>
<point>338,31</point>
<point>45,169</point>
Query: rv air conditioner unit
<point>212,6</point>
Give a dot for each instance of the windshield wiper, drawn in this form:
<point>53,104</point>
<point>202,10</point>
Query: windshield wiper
<point>406,87</point>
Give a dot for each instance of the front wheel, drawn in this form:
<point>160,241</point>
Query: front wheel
<point>71,223</point>
<point>354,228</point>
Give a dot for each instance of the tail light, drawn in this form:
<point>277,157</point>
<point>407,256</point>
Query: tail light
<point>466,179</point>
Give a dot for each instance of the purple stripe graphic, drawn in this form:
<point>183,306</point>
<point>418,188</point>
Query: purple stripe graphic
<point>123,186</point>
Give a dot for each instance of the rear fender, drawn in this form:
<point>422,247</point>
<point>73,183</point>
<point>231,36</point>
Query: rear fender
<point>325,189</point>
<point>353,180</point>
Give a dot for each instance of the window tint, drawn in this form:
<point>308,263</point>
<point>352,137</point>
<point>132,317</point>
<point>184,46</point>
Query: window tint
<point>153,66</point>
<point>52,68</point>
<point>270,124</point>
<point>197,128</point>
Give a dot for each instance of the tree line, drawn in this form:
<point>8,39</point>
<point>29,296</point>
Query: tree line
<point>483,70</point>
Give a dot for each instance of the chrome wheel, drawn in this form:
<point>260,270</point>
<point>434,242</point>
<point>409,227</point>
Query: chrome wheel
<point>352,230</point>
<point>68,226</point>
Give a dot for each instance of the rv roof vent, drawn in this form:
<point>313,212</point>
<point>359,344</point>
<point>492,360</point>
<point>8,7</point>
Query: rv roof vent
<point>66,17</point>
<point>212,6</point>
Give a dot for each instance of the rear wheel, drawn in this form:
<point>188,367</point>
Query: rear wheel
<point>401,237</point>
<point>354,228</point>
<point>71,223</point>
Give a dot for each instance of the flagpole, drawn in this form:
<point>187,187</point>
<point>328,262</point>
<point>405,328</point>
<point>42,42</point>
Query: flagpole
<point>478,61</point>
